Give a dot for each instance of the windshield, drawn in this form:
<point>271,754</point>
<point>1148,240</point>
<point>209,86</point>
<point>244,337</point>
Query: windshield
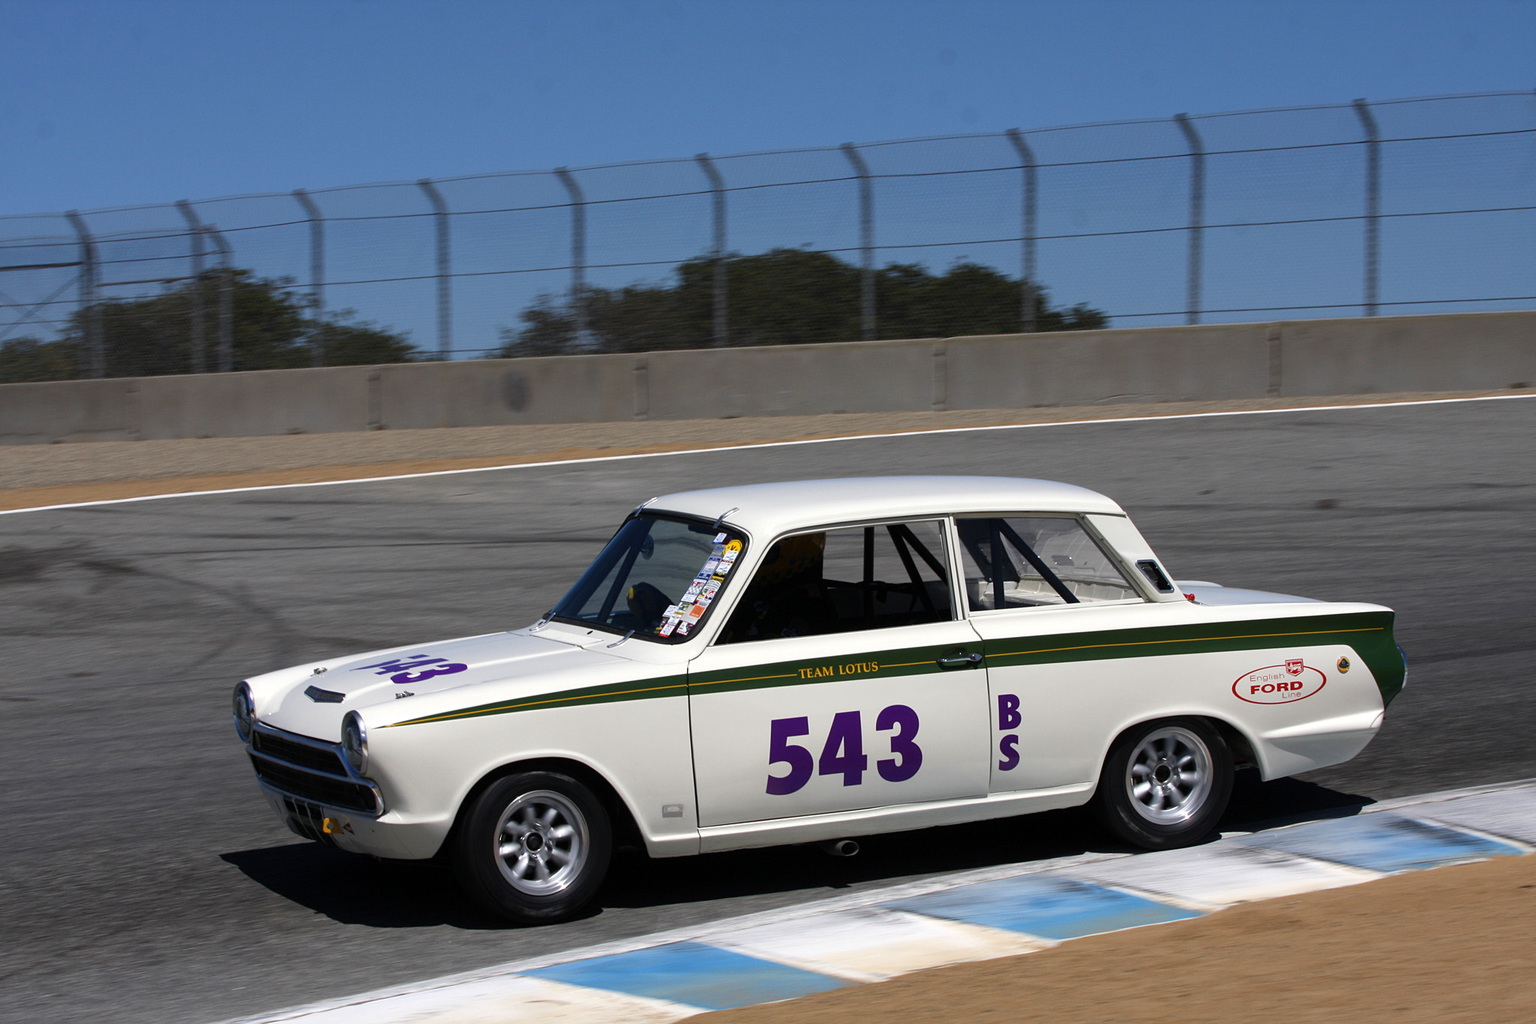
<point>658,578</point>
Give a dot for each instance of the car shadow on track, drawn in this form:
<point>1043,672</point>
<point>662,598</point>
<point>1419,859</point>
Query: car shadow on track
<point>351,889</point>
<point>1260,805</point>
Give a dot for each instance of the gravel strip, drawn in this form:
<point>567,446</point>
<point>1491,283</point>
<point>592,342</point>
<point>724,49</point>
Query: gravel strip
<point>33,467</point>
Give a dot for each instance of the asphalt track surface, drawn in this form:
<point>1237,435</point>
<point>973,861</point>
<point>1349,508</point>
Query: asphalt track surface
<point>142,877</point>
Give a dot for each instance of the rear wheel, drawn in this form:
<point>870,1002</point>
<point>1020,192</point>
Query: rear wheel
<point>534,847</point>
<point>1165,784</point>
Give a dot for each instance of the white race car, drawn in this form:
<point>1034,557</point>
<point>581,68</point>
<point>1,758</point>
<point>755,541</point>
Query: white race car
<point>788,663</point>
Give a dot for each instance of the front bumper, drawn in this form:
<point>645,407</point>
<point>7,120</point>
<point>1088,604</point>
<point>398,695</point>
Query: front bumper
<point>386,836</point>
<point>315,792</point>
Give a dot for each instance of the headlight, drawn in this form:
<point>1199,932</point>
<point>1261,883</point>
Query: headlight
<point>245,712</point>
<point>354,742</point>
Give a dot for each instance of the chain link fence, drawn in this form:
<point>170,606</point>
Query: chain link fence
<point>1353,209</point>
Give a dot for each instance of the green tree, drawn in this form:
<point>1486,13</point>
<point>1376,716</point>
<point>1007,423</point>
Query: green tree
<point>363,344</point>
<point>25,360</point>
<point>270,329</point>
<point>780,297</point>
<point>788,297</point>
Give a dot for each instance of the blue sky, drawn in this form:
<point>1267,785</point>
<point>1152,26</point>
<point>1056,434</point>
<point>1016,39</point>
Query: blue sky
<point>108,102</point>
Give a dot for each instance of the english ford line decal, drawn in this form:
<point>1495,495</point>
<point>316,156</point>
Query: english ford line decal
<point>1279,684</point>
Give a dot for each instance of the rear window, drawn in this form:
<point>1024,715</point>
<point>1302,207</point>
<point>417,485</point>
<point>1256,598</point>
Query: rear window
<point>1030,561</point>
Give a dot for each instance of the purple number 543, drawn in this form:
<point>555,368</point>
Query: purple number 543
<point>843,751</point>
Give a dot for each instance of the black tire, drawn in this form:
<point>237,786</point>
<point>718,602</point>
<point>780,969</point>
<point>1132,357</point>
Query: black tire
<point>534,847</point>
<point>1165,784</point>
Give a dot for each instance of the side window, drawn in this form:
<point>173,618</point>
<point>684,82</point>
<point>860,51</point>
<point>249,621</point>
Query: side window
<point>1024,561</point>
<point>836,581</point>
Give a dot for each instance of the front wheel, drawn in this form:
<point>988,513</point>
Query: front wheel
<point>1165,784</point>
<point>534,847</point>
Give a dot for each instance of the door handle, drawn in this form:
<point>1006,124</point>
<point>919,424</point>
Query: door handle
<point>959,660</point>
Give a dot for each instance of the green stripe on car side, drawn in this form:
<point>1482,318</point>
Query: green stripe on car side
<point>1368,634</point>
<point>638,689</point>
<point>907,661</point>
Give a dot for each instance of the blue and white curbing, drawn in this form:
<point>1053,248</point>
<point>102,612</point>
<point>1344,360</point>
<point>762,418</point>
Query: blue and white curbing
<point>977,915</point>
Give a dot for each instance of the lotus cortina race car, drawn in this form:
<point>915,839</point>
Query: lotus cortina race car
<point>809,662</point>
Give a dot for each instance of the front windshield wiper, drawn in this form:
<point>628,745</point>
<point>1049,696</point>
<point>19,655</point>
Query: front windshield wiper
<point>571,620</point>
<point>621,639</point>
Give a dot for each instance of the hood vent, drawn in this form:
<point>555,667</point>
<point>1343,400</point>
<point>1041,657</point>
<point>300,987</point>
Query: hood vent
<point>320,696</point>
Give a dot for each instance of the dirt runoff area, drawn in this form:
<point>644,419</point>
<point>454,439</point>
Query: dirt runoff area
<point>34,476</point>
<point>1452,944</point>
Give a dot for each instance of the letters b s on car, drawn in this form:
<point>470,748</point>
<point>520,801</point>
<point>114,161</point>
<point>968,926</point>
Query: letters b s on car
<point>782,663</point>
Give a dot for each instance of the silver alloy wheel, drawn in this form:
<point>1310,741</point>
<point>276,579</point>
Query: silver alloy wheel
<point>541,843</point>
<point>1168,775</point>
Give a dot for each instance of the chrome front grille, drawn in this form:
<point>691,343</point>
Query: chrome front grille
<point>296,766</point>
<point>305,755</point>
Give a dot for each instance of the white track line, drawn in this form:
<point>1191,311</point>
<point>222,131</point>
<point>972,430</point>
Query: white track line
<point>771,444</point>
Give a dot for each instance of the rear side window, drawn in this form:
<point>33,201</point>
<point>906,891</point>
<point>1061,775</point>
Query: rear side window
<point>1029,561</point>
<point>837,581</point>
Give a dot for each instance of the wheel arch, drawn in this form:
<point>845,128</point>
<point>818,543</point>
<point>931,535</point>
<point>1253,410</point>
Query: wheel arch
<point>1239,743</point>
<point>1175,810</point>
<point>626,831</point>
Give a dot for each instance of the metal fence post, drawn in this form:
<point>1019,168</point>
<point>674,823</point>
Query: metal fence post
<point>316,274</point>
<point>578,255</point>
<point>90,307</point>
<point>1372,203</point>
<point>196,328</point>
<point>444,297</point>
<point>1196,214</point>
<point>1027,273</point>
<point>866,239</point>
<point>717,187</point>
<point>226,300</point>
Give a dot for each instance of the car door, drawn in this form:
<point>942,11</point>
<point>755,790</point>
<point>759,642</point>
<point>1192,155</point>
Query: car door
<point>1037,588</point>
<point>843,679</point>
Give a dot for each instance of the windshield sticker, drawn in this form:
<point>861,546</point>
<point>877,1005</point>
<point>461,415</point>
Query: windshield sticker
<point>667,627</point>
<point>720,537</point>
<point>710,567</point>
<point>674,613</point>
<point>732,550</point>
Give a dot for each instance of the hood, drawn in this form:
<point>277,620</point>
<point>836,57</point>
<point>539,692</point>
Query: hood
<point>311,700</point>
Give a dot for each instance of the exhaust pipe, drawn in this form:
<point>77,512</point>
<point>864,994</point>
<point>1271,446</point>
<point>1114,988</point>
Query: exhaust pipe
<point>840,848</point>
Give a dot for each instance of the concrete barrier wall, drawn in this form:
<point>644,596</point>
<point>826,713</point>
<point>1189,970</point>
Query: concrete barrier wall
<point>1462,351</point>
<point>259,402</point>
<point>1086,368</point>
<point>69,410</point>
<point>790,380</point>
<point>1430,353</point>
<point>490,392</point>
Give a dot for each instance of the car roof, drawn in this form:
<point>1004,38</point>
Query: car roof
<point>772,509</point>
